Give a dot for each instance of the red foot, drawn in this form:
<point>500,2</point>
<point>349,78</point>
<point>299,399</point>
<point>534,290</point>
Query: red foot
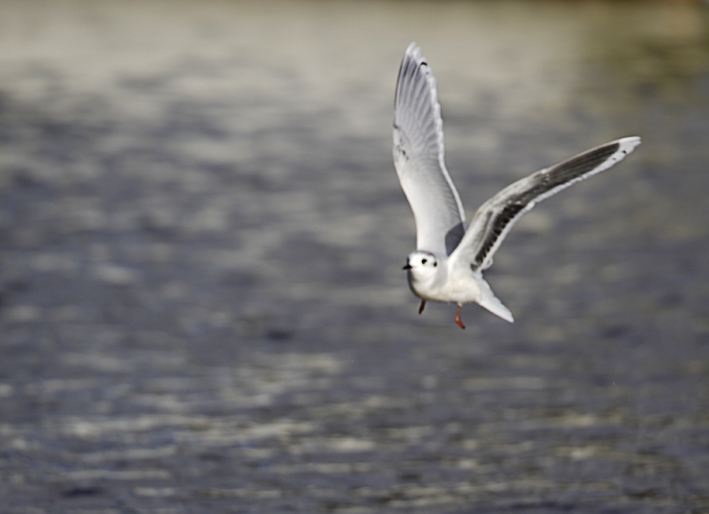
<point>423,304</point>
<point>457,318</point>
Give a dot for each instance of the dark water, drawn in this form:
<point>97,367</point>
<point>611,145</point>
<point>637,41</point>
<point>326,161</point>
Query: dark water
<point>201,235</point>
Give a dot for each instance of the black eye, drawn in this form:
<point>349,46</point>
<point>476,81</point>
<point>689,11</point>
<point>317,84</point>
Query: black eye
<point>423,261</point>
<point>435,264</point>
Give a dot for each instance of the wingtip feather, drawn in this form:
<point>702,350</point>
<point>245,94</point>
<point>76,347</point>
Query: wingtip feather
<point>413,50</point>
<point>628,144</point>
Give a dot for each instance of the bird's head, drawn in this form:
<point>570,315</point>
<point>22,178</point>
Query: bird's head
<point>421,265</point>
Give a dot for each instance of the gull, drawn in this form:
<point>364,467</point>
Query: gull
<point>449,259</point>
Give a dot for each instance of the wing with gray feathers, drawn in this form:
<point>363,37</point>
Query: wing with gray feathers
<point>496,217</point>
<point>418,158</point>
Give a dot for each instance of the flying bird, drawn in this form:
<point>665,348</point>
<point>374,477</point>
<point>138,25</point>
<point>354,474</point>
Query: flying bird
<point>449,259</point>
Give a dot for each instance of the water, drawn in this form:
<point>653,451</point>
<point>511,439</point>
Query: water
<point>202,234</point>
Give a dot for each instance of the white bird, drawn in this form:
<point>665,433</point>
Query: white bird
<point>448,262</point>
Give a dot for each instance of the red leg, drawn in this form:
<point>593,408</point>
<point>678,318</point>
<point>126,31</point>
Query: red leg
<point>457,318</point>
<point>423,304</point>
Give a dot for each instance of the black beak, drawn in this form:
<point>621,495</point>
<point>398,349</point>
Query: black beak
<point>408,266</point>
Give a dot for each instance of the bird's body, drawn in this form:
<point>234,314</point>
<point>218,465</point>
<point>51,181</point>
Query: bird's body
<point>448,263</point>
<point>444,283</point>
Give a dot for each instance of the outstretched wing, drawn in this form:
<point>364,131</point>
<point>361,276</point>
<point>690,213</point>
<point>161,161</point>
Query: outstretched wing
<point>418,158</point>
<point>496,217</point>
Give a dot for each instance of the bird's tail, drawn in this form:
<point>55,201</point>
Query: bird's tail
<point>491,302</point>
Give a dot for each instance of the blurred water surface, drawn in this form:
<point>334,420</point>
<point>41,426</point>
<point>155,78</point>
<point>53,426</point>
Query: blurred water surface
<point>201,236</point>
